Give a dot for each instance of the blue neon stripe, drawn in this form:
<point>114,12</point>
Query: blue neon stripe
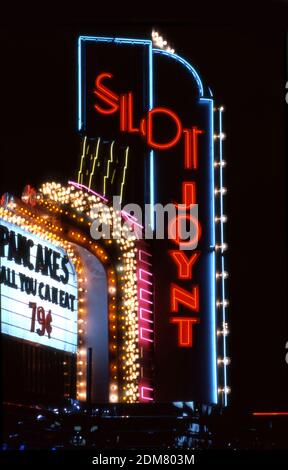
<point>79,84</point>
<point>151,156</point>
<point>212,277</point>
<point>117,40</point>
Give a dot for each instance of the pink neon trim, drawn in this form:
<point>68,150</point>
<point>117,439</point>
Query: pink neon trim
<point>143,298</point>
<point>145,337</point>
<point>143,260</point>
<point>82,186</point>
<point>129,215</point>
<point>142,309</point>
<point>131,218</point>
<point>124,213</point>
<point>148,389</point>
<point>144,280</point>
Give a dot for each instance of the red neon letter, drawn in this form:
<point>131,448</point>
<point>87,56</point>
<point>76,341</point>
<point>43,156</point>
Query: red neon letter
<point>105,95</point>
<point>188,194</point>
<point>183,263</point>
<point>173,116</point>
<point>123,113</point>
<point>185,330</point>
<point>130,114</point>
<point>175,227</point>
<point>191,148</point>
<point>182,296</point>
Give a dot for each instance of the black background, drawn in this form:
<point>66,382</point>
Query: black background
<point>241,53</point>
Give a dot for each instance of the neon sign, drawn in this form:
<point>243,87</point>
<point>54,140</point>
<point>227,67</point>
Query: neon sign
<point>178,119</point>
<point>123,104</point>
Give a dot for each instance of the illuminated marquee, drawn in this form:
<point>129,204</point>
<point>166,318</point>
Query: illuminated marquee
<point>58,224</point>
<point>39,290</point>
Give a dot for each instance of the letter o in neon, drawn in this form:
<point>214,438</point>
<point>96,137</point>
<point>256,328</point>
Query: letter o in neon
<point>149,131</point>
<point>174,233</point>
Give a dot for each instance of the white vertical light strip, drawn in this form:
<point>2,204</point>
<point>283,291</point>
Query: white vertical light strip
<point>225,389</point>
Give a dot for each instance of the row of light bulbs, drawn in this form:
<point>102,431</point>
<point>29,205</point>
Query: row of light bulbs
<point>88,207</point>
<point>221,247</point>
<point>160,42</point>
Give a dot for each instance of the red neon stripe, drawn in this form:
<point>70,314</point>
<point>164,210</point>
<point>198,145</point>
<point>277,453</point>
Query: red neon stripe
<point>185,330</point>
<point>104,89</point>
<point>123,113</point>
<point>270,413</point>
<point>184,264</point>
<point>195,133</point>
<point>189,193</point>
<point>112,110</point>
<point>187,143</point>
<point>131,128</point>
<point>184,297</point>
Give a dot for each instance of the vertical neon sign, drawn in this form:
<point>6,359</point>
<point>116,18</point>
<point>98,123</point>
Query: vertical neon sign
<point>191,321</point>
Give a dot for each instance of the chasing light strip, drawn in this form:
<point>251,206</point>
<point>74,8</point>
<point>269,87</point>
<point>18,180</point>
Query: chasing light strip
<point>159,41</point>
<point>83,207</point>
<point>223,308</point>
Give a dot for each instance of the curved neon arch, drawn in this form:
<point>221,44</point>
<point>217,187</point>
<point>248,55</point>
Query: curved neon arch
<point>186,64</point>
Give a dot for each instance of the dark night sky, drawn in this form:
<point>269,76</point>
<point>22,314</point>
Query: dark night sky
<point>244,63</point>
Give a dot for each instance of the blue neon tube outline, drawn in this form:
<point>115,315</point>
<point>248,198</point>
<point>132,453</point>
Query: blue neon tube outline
<point>212,254</point>
<point>186,64</point>
<point>151,153</point>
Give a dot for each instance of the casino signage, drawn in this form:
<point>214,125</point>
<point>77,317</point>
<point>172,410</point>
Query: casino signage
<point>122,318</point>
<point>154,102</point>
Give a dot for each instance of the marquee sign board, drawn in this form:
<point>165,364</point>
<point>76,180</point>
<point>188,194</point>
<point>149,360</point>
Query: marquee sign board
<point>39,292</point>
